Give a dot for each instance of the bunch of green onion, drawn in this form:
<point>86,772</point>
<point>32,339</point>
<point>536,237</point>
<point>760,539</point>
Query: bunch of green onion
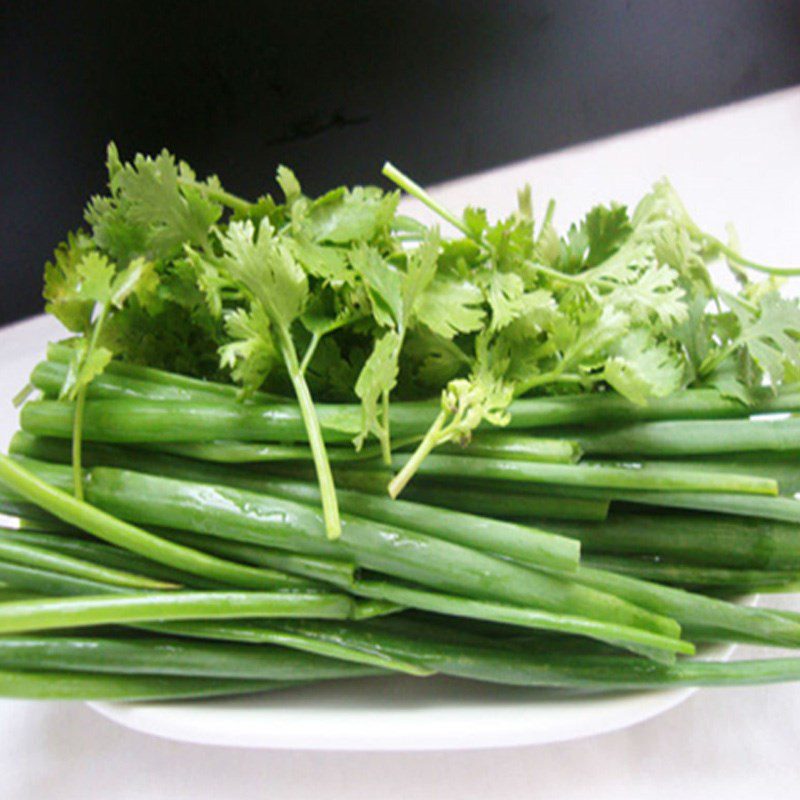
<point>593,544</point>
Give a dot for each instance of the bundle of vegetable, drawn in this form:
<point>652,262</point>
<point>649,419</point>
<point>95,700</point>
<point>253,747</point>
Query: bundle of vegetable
<point>197,504</point>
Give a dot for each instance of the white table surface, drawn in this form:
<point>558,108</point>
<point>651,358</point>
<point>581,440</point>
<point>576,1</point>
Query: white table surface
<point>740,163</point>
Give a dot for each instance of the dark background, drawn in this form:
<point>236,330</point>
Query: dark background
<point>335,88</point>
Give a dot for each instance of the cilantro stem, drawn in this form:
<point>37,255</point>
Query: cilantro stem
<point>310,350</point>
<point>554,376</point>
<point>415,190</point>
<point>330,506</point>
<point>386,437</point>
<point>237,204</point>
<point>432,438</point>
<point>555,274</point>
<point>712,362</point>
<point>745,262</point>
<point>23,394</point>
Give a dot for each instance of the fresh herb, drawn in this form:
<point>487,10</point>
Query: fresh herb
<point>240,372</point>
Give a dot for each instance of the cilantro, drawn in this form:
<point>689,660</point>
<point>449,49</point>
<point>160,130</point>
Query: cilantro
<point>343,216</point>
<point>640,367</point>
<point>251,354</point>
<point>83,289</point>
<point>155,207</point>
<point>342,295</point>
<point>61,284</point>
<point>765,330</point>
<point>601,234</point>
<point>278,289</point>
<point>375,381</point>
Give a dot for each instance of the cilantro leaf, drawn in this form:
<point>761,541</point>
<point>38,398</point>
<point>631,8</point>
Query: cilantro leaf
<point>653,296</point>
<point>377,379</point>
<point>730,379</point>
<point>343,215</point>
<point>289,184</point>
<point>326,262</point>
<point>95,274</point>
<point>504,293</point>
<point>84,366</point>
<point>62,283</point>
<point>421,269</point>
<point>279,285</point>
<point>172,215</point>
<point>260,261</point>
<point>155,207</point>
<point>770,334</point>
<point>641,367</point>
<point>450,306</point>
<point>601,234</point>
<point>431,361</point>
<point>251,354</point>
<point>383,282</point>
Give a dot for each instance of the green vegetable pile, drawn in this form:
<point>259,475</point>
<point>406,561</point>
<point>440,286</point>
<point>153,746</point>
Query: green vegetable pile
<point>593,441</point>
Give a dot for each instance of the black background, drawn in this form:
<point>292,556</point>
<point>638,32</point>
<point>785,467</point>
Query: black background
<point>335,88</point>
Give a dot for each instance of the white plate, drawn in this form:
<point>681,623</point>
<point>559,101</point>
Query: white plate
<point>397,713</point>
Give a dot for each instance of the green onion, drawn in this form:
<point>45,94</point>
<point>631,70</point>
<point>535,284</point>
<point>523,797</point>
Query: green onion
<point>703,437</point>
<point>122,534</point>
<point>39,685</point>
<point>619,476</point>
<point>159,655</point>
<point>75,612</point>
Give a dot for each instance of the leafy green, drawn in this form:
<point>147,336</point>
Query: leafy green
<point>641,367</point>
<point>343,216</point>
<point>377,379</point>
<point>601,234</point>
<point>251,354</point>
<point>62,284</point>
<point>341,295</point>
<point>155,207</point>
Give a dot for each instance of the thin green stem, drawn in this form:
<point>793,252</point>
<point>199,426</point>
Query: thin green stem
<point>746,262</point>
<point>409,469</point>
<point>161,655</point>
<point>415,190</point>
<point>23,394</point>
<point>34,555</point>
<point>386,436</point>
<point>661,477</point>
<point>692,437</point>
<point>554,376</point>
<point>518,447</point>
<point>554,273</point>
<point>316,442</point>
<point>233,202</point>
<point>548,215</point>
<point>310,350</point>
